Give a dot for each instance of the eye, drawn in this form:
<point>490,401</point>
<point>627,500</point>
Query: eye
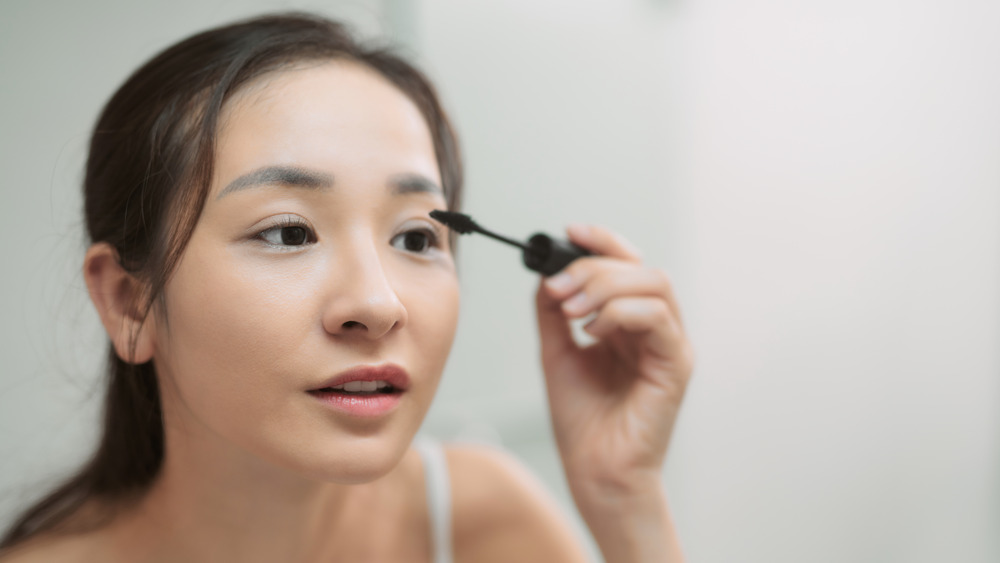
<point>416,240</point>
<point>287,233</point>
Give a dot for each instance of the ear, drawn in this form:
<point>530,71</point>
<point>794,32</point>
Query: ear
<point>117,296</point>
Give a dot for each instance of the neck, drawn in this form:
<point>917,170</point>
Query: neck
<point>216,502</point>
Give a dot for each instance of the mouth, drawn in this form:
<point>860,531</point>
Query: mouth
<point>360,388</point>
<point>365,392</point>
<point>387,379</point>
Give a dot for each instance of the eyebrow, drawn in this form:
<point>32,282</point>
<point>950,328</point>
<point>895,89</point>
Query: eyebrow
<point>279,175</point>
<point>403,184</point>
<point>296,177</point>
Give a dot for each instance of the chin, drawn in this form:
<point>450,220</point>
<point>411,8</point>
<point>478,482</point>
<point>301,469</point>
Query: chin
<point>358,460</point>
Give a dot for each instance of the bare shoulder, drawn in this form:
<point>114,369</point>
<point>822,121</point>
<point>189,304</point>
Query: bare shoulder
<point>502,512</point>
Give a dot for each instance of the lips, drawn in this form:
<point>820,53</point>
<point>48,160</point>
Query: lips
<point>392,374</point>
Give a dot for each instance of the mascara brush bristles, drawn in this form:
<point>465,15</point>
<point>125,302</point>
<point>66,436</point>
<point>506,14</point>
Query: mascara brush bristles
<point>463,224</point>
<point>458,222</point>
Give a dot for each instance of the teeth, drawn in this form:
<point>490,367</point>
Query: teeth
<point>362,386</point>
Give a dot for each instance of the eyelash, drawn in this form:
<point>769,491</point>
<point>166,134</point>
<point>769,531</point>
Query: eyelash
<point>285,223</point>
<point>433,237</point>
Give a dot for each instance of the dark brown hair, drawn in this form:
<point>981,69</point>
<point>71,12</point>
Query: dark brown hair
<point>148,174</point>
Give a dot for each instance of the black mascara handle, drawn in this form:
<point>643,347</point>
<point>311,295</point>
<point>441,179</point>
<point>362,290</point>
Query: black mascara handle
<point>548,256</point>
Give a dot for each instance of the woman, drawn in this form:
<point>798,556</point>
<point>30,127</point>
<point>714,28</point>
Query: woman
<point>280,309</point>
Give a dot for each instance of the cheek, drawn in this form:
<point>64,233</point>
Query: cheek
<point>433,311</point>
<point>229,329</point>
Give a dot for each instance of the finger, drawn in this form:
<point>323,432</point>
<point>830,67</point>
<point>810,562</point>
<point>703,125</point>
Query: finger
<point>600,279</point>
<point>554,332</point>
<point>671,297</point>
<point>575,276</point>
<point>649,317</point>
<point>623,280</point>
<point>579,273</point>
<point>603,241</point>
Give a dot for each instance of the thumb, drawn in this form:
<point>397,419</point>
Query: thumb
<point>553,328</point>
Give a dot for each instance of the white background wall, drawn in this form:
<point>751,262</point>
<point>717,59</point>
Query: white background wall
<point>821,179</point>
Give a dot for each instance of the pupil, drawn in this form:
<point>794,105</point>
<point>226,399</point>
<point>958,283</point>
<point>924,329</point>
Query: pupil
<point>293,235</point>
<point>415,242</point>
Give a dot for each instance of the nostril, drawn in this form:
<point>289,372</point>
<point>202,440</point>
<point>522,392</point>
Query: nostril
<point>352,324</point>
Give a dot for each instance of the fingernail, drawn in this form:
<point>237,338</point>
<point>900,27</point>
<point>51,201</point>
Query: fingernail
<point>559,282</point>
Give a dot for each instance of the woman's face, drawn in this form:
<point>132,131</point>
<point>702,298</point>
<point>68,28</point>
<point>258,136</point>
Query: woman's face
<point>314,255</point>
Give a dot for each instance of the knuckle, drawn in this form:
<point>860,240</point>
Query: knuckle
<point>603,285</point>
<point>637,310</point>
<point>686,360</point>
<point>626,245</point>
<point>690,355</point>
<point>663,279</point>
<point>616,308</point>
<point>661,311</point>
<point>581,269</point>
<point>603,276</point>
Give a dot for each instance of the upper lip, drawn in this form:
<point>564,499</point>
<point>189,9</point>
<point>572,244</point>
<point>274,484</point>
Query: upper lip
<point>390,373</point>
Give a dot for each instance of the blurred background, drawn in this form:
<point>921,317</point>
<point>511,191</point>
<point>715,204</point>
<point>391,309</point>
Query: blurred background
<point>820,179</point>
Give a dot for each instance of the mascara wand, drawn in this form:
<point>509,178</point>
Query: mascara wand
<point>542,253</point>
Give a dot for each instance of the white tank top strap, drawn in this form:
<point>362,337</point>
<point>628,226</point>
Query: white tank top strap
<point>438,495</point>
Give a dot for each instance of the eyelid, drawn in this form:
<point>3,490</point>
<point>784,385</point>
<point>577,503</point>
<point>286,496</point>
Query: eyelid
<point>280,222</point>
<point>440,235</point>
<point>436,243</point>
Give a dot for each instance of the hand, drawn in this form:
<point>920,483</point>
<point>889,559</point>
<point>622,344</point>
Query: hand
<point>613,403</point>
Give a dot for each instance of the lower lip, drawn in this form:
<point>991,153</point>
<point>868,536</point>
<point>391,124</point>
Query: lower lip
<point>359,405</point>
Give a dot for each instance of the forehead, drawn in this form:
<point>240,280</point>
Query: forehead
<point>338,116</point>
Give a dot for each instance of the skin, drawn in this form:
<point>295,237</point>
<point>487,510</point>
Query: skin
<point>258,470</point>
<point>614,403</point>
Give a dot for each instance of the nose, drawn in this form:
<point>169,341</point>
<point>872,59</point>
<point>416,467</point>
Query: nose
<point>363,301</point>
